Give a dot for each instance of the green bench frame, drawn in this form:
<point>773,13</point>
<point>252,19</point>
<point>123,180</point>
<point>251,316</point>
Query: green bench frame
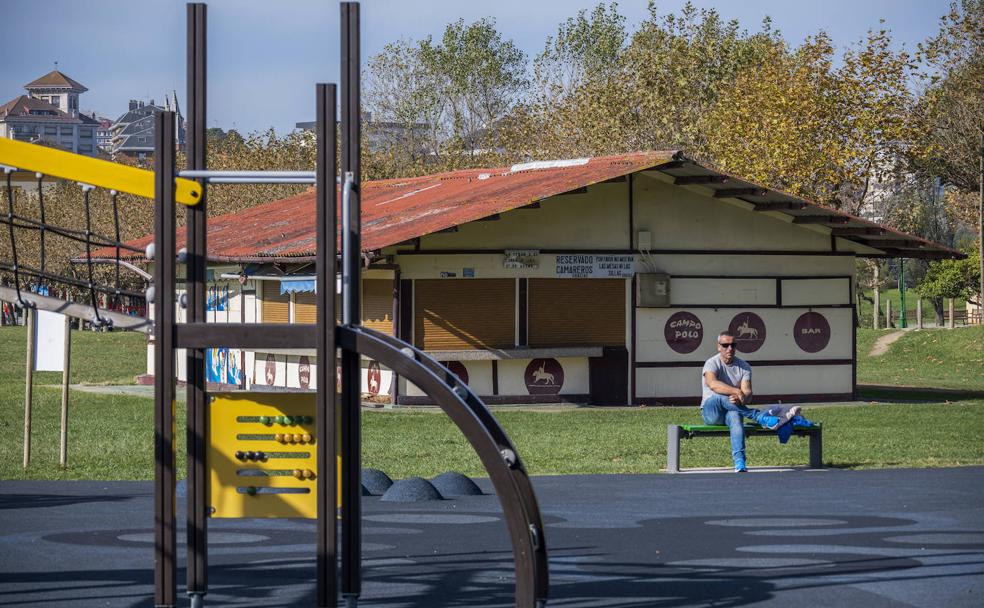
<point>676,432</point>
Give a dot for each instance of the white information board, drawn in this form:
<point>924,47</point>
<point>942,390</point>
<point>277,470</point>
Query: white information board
<point>595,266</point>
<point>50,340</point>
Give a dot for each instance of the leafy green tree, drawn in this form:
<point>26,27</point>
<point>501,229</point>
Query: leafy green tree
<point>441,102</point>
<point>951,278</point>
<point>800,123</point>
<point>950,113</point>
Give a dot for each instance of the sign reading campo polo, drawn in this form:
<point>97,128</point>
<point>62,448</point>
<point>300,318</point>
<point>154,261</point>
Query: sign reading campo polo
<point>595,266</point>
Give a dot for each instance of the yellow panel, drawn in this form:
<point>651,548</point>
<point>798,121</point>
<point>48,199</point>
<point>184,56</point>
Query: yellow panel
<point>282,480</point>
<point>92,171</point>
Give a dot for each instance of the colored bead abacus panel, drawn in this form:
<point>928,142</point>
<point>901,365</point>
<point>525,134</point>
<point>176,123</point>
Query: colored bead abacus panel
<point>262,455</point>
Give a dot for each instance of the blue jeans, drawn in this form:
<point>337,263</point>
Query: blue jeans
<point>719,410</point>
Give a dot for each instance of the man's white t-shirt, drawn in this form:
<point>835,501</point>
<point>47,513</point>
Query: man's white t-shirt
<point>732,375</point>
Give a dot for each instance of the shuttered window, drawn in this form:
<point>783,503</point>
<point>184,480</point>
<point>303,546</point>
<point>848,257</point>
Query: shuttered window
<point>377,305</point>
<point>576,312</point>
<point>464,314</point>
<point>305,307</point>
<point>275,306</point>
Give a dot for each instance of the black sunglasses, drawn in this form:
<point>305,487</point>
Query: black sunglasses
<point>728,345</point>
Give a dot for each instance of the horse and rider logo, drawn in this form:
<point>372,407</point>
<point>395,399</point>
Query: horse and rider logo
<point>749,331</point>
<point>544,377</point>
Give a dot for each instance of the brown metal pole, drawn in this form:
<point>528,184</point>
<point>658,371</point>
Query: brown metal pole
<point>66,367</point>
<point>165,540</point>
<point>196,272</point>
<point>32,336</point>
<point>351,447</point>
<point>327,229</point>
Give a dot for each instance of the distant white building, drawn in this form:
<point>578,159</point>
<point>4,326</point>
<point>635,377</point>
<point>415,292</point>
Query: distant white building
<point>49,114</point>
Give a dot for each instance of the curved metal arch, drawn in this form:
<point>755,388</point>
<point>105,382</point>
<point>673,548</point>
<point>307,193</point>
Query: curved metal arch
<point>487,438</point>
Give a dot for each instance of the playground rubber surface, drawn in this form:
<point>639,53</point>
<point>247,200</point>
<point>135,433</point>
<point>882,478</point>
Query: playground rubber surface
<point>824,538</point>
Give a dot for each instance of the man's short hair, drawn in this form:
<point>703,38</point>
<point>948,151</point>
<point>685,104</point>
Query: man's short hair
<point>725,334</point>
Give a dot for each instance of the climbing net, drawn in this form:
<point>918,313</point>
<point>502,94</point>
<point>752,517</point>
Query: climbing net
<point>65,244</point>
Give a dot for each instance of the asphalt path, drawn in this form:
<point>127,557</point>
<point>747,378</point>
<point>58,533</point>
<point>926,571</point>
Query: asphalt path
<point>824,538</point>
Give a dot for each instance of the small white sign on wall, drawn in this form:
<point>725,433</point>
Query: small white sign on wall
<point>595,266</point>
<point>49,356</point>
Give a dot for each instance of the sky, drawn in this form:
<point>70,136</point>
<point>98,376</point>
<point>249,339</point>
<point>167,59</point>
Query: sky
<point>264,57</point>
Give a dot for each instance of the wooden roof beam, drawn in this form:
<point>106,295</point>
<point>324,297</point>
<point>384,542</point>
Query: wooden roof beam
<point>821,219</point>
<point>858,231</point>
<point>689,180</point>
<point>889,243</point>
<point>780,206</point>
<point>733,192</point>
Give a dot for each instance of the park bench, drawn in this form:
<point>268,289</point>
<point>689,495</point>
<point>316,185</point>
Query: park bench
<point>676,432</point>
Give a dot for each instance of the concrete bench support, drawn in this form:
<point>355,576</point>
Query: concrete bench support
<point>676,432</point>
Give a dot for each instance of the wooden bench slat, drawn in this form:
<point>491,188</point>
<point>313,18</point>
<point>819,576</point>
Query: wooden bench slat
<point>703,428</point>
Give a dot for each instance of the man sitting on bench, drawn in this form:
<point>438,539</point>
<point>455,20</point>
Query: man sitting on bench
<point>727,390</point>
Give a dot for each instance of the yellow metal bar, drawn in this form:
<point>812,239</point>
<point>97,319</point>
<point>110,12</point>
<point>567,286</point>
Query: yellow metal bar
<point>92,171</point>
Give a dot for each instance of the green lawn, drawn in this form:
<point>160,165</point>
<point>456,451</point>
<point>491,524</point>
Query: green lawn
<point>111,435</point>
<point>937,358</point>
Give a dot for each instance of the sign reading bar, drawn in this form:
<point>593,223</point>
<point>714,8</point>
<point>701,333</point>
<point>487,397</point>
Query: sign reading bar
<point>595,266</point>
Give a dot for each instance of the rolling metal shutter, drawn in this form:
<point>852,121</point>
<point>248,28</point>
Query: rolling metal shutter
<point>305,307</point>
<point>275,306</point>
<point>464,314</point>
<point>576,312</point>
<point>377,305</point>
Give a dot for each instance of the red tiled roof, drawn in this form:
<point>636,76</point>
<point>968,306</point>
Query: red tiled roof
<point>397,210</point>
<point>55,78</point>
<point>20,107</point>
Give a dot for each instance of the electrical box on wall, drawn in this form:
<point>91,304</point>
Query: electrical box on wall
<point>653,290</point>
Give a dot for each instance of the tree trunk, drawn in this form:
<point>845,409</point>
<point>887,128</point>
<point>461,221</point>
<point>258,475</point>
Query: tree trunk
<point>938,310</point>
<point>980,224</point>
<point>876,305</point>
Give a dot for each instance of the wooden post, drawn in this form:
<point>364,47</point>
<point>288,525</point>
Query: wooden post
<point>949,318</point>
<point>919,324</point>
<point>32,327</point>
<point>66,365</point>
<point>888,314</point>
<point>876,305</point>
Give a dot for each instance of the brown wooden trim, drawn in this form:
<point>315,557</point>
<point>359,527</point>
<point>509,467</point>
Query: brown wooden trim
<point>395,384</point>
<point>616,180</point>
<point>495,376</point>
<point>581,190</point>
<point>690,180</point>
<point>763,252</point>
<point>753,363</point>
<point>634,343</point>
<point>820,219</point>
<point>854,347</point>
<point>833,243</point>
<point>759,399</point>
<point>857,231</point>
<point>489,218</point>
<point>406,310</point>
<point>631,215</point>
<point>506,399</point>
<point>523,313</point>
<point>779,292</point>
<point>533,205</point>
<point>733,192</point>
<point>780,206</point>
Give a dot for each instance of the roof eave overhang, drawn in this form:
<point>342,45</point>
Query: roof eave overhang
<point>875,240</point>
